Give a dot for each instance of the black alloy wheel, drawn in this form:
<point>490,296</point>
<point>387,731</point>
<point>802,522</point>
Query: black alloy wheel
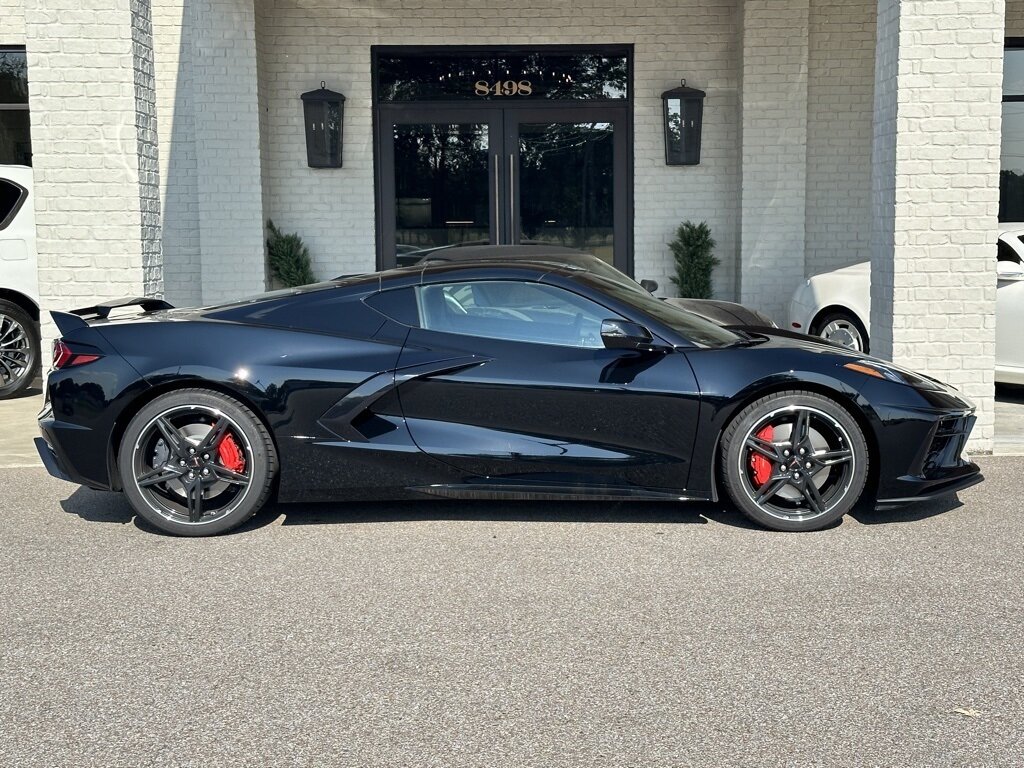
<point>19,349</point>
<point>794,461</point>
<point>196,462</point>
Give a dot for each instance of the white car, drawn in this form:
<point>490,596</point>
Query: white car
<point>19,287</point>
<point>837,306</point>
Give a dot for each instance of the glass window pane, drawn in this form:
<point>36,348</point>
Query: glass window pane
<point>513,311</point>
<point>441,189</point>
<point>1013,72</point>
<point>13,77</point>
<point>1011,179</point>
<point>502,76</point>
<point>566,186</point>
<point>10,200</point>
<point>15,142</point>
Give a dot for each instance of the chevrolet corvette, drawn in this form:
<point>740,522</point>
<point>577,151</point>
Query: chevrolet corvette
<point>533,379</point>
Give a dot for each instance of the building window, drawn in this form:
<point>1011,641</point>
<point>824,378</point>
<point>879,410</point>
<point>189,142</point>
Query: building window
<point>1011,177</point>
<point>502,75</point>
<point>15,141</point>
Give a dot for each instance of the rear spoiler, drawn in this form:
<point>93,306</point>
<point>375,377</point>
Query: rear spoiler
<point>78,318</point>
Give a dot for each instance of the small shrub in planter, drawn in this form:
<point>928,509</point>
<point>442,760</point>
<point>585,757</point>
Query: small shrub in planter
<point>288,257</point>
<point>693,251</point>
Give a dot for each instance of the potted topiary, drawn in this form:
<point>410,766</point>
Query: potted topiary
<point>693,251</point>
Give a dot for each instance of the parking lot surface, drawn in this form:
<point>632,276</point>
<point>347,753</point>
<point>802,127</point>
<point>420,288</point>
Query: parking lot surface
<point>495,634</point>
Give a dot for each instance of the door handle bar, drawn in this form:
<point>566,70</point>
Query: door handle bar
<point>512,196</point>
<point>497,203</point>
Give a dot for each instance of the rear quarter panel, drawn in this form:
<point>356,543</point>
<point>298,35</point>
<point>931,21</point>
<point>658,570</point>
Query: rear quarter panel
<point>290,376</point>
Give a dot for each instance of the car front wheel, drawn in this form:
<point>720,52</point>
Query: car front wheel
<point>794,461</point>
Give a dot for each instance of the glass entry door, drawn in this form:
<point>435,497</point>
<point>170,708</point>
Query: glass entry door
<point>454,176</point>
<point>569,179</point>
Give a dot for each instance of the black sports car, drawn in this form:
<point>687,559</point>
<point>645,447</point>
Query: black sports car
<point>479,380</point>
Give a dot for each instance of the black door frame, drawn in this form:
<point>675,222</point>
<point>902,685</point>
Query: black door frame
<point>618,111</point>
<point>429,112</point>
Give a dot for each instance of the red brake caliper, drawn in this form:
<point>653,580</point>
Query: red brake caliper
<point>230,454</point>
<point>761,465</point>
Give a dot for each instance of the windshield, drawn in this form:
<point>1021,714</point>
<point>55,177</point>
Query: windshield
<point>701,332</point>
<point>603,269</point>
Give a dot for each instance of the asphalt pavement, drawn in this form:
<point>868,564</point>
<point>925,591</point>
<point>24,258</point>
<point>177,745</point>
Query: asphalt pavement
<point>498,634</point>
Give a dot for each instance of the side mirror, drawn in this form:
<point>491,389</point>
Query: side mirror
<point>649,285</point>
<point>624,334</point>
<point>1010,270</point>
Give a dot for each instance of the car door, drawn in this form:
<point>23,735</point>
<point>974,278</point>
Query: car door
<point>535,397</point>
<point>1010,314</point>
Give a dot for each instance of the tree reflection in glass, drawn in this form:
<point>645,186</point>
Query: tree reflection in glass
<point>566,188</point>
<point>441,191</point>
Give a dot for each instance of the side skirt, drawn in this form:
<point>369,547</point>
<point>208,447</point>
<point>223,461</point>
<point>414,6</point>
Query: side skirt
<point>523,492</point>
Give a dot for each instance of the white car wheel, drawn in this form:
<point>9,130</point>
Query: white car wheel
<point>842,329</point>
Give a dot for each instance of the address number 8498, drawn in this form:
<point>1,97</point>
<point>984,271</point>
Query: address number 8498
<point>503,88</point>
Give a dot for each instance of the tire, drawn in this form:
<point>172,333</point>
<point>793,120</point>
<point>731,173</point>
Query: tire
<point>19,349</point>
<point>765,470</point>
<point>195,462</point>
<point>842,328</point>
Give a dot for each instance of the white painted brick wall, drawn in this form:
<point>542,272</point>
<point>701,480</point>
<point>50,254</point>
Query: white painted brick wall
<point>840,91</point>
<point>228,177</point>
<point>146,147</point>
<point>12,22</point>
<point>774,152</point>
<point>177,153</point>
<point>85,134</point>
<point>302,43</point>
<point>935,184</point>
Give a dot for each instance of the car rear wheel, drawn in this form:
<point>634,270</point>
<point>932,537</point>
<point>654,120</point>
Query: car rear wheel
<point>195,462</point>
<point>19,349</point>
<point>842,328</point>
<point>794,461</point>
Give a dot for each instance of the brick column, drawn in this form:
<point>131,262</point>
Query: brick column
<point>935,188</point>
<point>774,157</point>
<point>94,150</point>
<point>227,147</point>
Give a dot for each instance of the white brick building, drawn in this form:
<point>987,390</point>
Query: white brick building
<point>165,133</point>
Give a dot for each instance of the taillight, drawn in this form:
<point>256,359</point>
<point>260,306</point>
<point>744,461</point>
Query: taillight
<point>65,357</point>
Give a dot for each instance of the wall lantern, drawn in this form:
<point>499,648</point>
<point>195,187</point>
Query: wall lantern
<point>324,112</point>
<point>684,113</point>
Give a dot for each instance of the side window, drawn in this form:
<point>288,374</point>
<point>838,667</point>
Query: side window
<point>398,304</point>
<point>11,198</point>
<point>1006,253</point>
<point>512,311</point>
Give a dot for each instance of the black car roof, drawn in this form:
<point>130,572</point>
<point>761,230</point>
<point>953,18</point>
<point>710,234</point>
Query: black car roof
<point>517,252</point>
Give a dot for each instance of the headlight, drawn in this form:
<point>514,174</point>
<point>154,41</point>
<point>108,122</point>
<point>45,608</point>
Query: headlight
<point>895,373</point>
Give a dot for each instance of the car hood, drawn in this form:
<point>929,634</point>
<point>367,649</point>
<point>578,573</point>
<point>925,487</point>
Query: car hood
<point>863,268</point>
<point>719,312</point>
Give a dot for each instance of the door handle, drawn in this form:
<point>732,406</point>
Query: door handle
<point>497,196</point>
<point>512,197</point>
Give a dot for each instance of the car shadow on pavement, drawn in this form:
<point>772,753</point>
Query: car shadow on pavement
<point>106,507</point>
<point>32,391</point>
<point>866,514</point>
<point>98,506</point>
<point>503,511</point>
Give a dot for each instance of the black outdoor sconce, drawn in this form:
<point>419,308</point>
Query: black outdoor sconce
<point>684,113</point>
<point>324,112</point>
